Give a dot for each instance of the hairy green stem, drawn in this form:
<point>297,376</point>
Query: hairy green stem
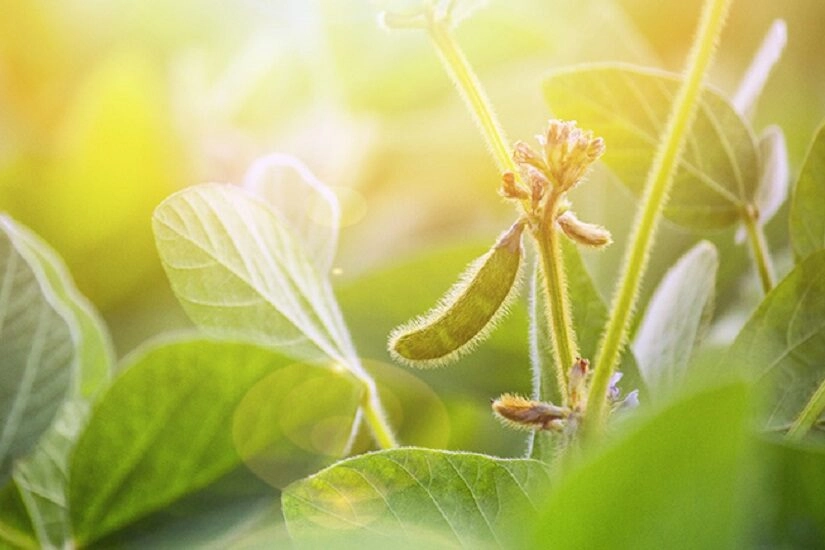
<point>375,418</point>
<point>460,71</point>
<point>547,238</point>
<point>810,414</point>
<point>655,197</point>
<point>761,254</point>
<point>559,317</point>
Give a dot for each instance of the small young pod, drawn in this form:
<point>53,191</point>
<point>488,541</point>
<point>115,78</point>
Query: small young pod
<point>588,234</point>
<point>521,413</point>
<point>468,312</point>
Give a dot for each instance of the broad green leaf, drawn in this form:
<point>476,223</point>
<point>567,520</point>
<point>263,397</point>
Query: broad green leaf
<point>43,477</point>
<point>718,174</point>
<point>589,317</point>
<point>792,508</point>
<point>808,203</point>
<point>676,318</point>
<point>238,272</point>
<point>36,350</point>
<point>306,205</point>
<point>782,346</point>
<point>670,476</point>
<point>184,415</point>
<point>415,498</point>
<point>95,352</point>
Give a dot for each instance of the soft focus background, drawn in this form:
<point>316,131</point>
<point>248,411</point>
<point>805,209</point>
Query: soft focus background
<point>108,106</point>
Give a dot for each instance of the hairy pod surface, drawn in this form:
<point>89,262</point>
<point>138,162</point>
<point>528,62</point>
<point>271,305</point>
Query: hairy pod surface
<point>467,313</point>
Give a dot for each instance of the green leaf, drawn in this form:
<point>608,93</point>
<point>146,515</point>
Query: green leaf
<point>808,203</point>
<point>793,485</point>
<point>43,477</point>
<point>782,346</point>
<point>677,317</point>
<point>238,272</point>
<point>415,497</point>
<point>184,415</point>
<point>628,106</point>
<point>672,474</point>
<point>16,530</point>
<point>95,352</point>
<point>36,350</point>
<point>305,204</point>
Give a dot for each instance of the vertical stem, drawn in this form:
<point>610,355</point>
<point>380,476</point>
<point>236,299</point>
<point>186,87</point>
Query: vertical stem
<point>559,317</point>
<point>460,71</point>
<point>761,253</point>
<point>657,188</point>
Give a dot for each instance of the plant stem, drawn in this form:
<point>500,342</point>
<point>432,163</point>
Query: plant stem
<point>761,254</point>
<point>809,415</point>
<point>559,317</point>
<point>655,197</point>
<point>375,418</point>
<point>460,71</point>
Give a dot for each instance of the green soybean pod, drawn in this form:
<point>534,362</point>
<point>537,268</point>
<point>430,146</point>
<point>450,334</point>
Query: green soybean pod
<point>468,312</point>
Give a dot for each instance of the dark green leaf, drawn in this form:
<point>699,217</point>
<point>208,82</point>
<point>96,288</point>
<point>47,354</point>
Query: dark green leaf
<point>718,174</point>
<point>415,497</point>
<point>806,217</point>
<point>184,415</point>
<point>792,503</point>
<point>669,477</point>
<point>782,346</point>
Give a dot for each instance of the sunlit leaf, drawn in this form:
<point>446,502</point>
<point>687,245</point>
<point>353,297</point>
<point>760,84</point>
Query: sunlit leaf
<point>239,272</point>
<point>36,350</point>
<point>718,173</point>
<point>306,206</point>
<point>672,475</point>
<point>677,317</point>
<point>807,220</point>
<point>782,346</point>
<point>95,353</point>
<point>43,477</point>
<point>167,427</point>
<point>412,497</point>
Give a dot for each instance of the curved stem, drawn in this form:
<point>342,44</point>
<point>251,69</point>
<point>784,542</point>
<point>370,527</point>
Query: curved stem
<point>469,87</point>
<point>761,254</point>
<point>657,188</point>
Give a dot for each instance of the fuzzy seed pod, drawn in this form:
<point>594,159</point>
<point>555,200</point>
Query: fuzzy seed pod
<point>468,312</point>
<point>588,234</point>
